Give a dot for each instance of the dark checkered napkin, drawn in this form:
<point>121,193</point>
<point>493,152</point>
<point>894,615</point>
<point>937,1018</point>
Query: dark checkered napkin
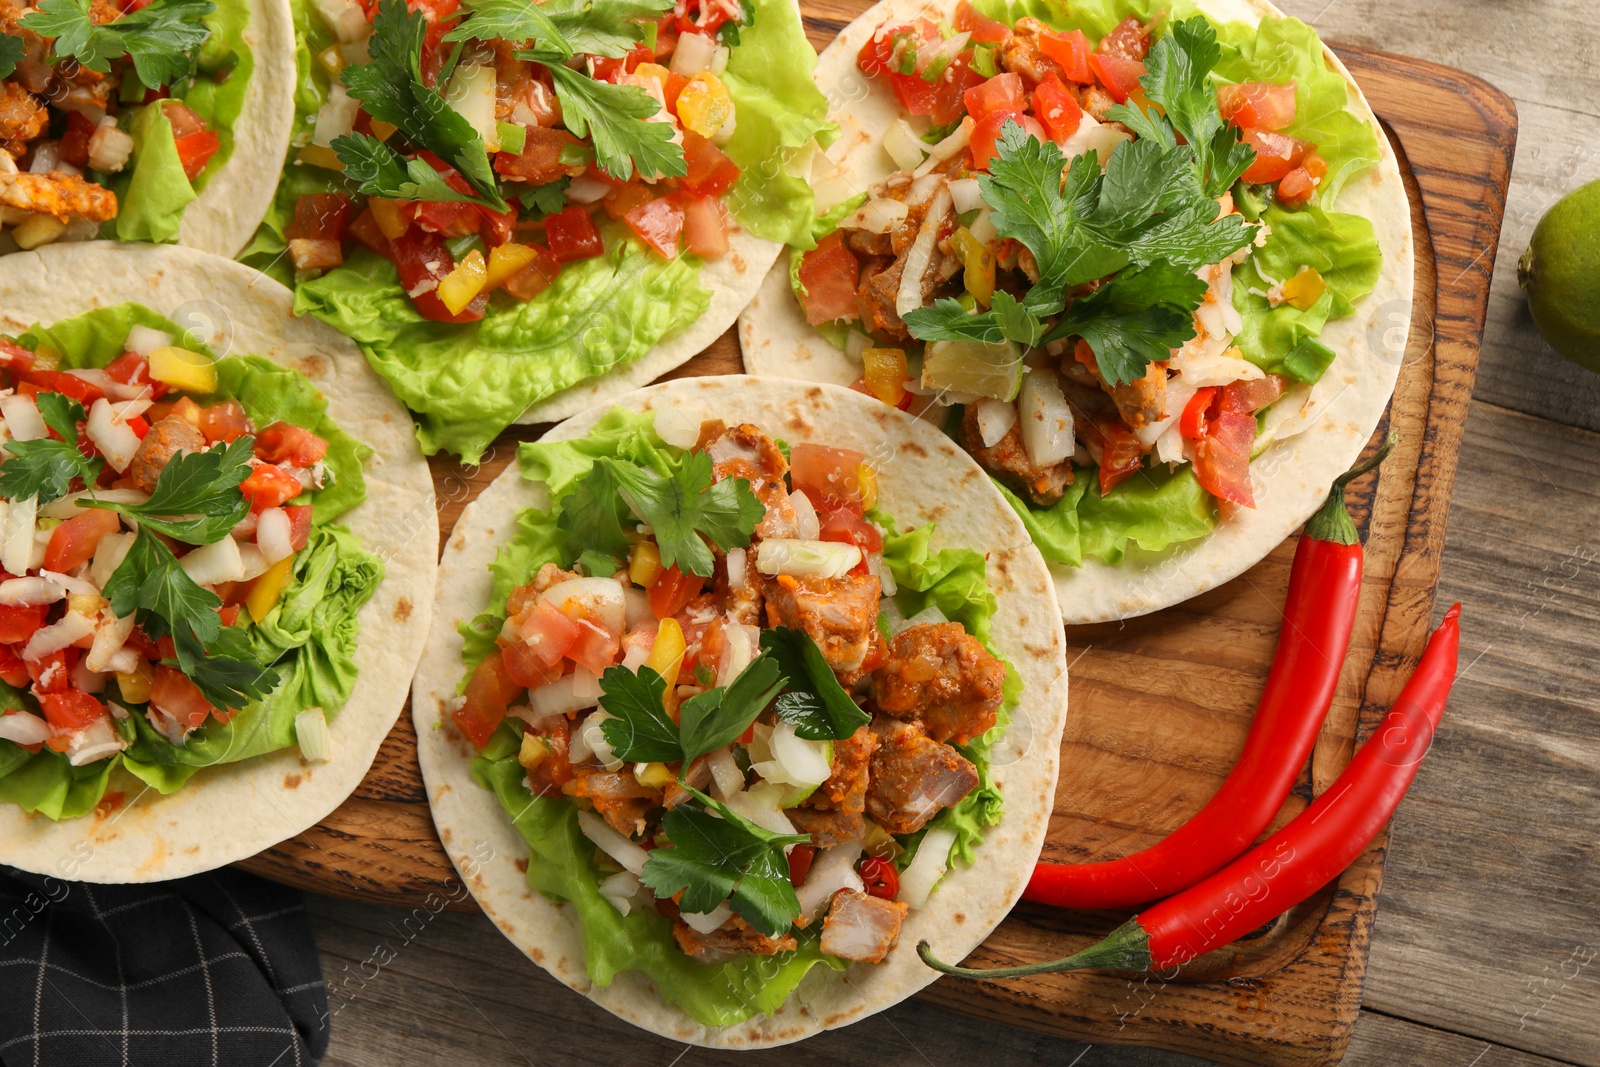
<point>219,970</point>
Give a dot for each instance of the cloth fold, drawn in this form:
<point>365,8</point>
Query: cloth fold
<point>217,969</point>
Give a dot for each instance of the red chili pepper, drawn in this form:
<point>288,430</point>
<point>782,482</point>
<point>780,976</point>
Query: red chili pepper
<point>1293,863</point>
<point>880,878</point>
<point>1324,590</point>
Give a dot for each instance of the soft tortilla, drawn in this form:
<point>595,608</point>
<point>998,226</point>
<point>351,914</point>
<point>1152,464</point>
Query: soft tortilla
<point>923,477</point>
<point>229,812</point>
<point>1291,478</point>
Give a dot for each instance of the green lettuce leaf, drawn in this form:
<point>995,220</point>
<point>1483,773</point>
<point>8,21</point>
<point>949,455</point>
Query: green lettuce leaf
<point>1152,512</point>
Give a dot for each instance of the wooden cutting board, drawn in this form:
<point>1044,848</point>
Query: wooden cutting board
<point>1160,705</point>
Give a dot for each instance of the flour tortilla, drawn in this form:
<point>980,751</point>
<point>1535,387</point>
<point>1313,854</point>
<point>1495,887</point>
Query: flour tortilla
<point>1291,478</point>
<point>232,811</point>
<point>923,477</point>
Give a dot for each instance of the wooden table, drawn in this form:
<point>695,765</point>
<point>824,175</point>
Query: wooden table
<point>1487,943</point>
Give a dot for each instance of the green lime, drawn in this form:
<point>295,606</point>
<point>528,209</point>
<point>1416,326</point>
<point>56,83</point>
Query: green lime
<point>1561,273</point>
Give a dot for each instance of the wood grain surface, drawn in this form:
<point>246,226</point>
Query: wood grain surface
<point>1278,993</point>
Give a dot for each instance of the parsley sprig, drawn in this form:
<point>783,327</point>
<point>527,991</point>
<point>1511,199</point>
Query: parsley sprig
<point>197,498</point>
<point>11,50</point>
<point>815,704</point>
<point>162,38</point>
<point>641,731</point>
<point>46,467</point>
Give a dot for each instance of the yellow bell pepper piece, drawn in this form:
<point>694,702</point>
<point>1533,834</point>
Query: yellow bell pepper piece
<point>135,686</point>
<point>644,564</point>
<point>652,775</point>
<point>534,751</point>
<point>867,477</point>
<point>1304,289</point>
<point>317,155</point>
<point>392,216</point>
<point>382,130</point>
<point>183,369</point>
<point>704,105</point>
<point>505,261</point>
<point>885,373</point>
<point>978,263</point>
<point>654,71</point>
<point>269,588</point>
<point>462,285</point>
<point>666,655</point>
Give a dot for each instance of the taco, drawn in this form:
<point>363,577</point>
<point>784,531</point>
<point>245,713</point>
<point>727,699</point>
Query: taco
<point>823,688</point>
<point>161,120</point>
<point>1164,364</point>
<point>217,542</point>
<point>518,210</point>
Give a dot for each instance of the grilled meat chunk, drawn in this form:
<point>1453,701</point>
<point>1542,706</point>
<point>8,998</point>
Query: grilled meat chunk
<point>1144,400</point>
<point>940,676</point>
<point>875,300</point>
<point>913,777</point>
<point>733,936</point>
<point>166,439</point>
<point>63,196</point>
<point>1020,53</point>
<point>862,927</point>
<point>617,796</point>
<point>1008,460</point>
<point>839,614</point>
<point>22,118</point>
<point>745,452</point>
<point>832,814</point>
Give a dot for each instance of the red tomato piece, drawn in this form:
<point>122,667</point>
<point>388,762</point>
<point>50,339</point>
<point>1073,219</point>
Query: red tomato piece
<point>877,54</point>
<point>915,95</point>
<point>800,858</point>
<point>1120,455</point>
<point>1276,155</point>
<point>225,421</point>
<point>59,381</point>
<point>549,632</point>
<point>710,171</point>
<point>1296,188</point>
<point>880,878</point>
<point>949,97</point>
<point>1257,105</point>
<point>1070,52</point>
<point>984,30</point>
<point>539,162</point>
<point>671,590</point>
<point>52,673</point>
<point>130,368</point>
<point>595,649</point>
<point>1129,40</point>
<point>228,613</point>
<point>268,487</point>
<point>572,234</point>
<point>17,622</point>
<point>1196,413</point>
<point>283,442</point>
<point>12,670</point>
<point>1003,92</point>
<point>986,135</point>
<point>299,525</point>
<point>847,525</point>
<point>73,542</point>
<point>830,273</point>
<point>70,711</point>
<point>1118,74</point>
<point>74,144</point>
<point>705,227</point>
<point>421,257</point>
<point>319,217</point>
<point>1057,108</point>
<point>1222,457</point>
<point>826,474</point>
<point>1251,396</point>
<point>489,691</point>
<point>658,224</point>
<point>196,150</point>
<point>139,427</point>
<point>524,668</point>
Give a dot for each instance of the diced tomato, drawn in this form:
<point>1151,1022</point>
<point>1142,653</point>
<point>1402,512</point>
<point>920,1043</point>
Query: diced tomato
<point>524,668</point>
<point>1118,74</point>
<point>74,144</point>
<point>52,673</point>
<point>228,613</point>
<point>1057,107</point>
<point>1129,40</point>
<point>268,487</point>
<point>830,274</point>
<point>284,442</point>
<point>596,648</point>
<point>986,135</point>
<point>224,422</point>
<point>705,227</point>
<point>702,16</point>
<point>59,381</point>
<point>671,590</point>
<point>1004,92</point>
<point>824,474</point>
<point>536,277</point>
<point>496,227</point>
<point>846,525</point>
<point>14,357</point>
<point>916,96</point>
<point>549,632</point>
<point>877,54</point>
<point>626,197</point>
<point>1252,396</point>
<point>195,151</point>
<point>1196,413</point>
<point>1257,105</point>
<point>1222,457</point>
<point>421,257</point>
<point>1070,52</point>
<point>139,426</point>
<point>710,171</point>
<point>131,368</point>
<point>18,622</point>
<point>1296,188</point>
<point>572,234</point>
<point>364,228</point>
<point>1276,155</point>
<point>299,525</point>
<point>12,670</point>
<point>800,858</point>
<point>70,710</point>
<point>949,96</point>
<point>666,36</point>
<point>880,878</point>
<point>183,118</point>
<point>73,542</point>
<point>1120,455</point>
<point>658,224</point>
<point>984,30</point>
<point>1315,165</point>
<point>607,69</point>
<point>540,159</point>
<point>448,218</point>
<point>319,217</point>
<point>489,691</point>
<point>671,89</point>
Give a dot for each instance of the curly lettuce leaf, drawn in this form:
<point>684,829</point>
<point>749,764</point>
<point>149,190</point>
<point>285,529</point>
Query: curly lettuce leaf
<point>1151,512</point>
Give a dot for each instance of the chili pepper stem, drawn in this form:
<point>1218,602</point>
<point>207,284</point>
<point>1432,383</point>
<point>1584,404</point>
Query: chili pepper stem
<point>1127,948</point>
<point>1332,522</point>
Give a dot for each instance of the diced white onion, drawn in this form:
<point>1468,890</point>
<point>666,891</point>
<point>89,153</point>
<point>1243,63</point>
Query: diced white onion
<point>110,634</point>
<point>965,195</point>
<point>586,190</point>
<point>86,680</point>
<point>1169,446</point>
<point>833,869</point>
<point>601,597</point>
<point>795,761</point>
<point>311,733</point>
<point>676,428</point>
<point>46,158</point>
<point>23,420</point>
<point>877,216</point>
<point>336,118</point>
<point>956,142</point>
<point>740,642</point>
<point>807,527</point>
<point>1091,136</point>
<point>95,742</point>
<point>558,698</point>
<point>694,53</point>
<point>590,740</point>
<point>903,145</point>
<point>70,584</point>
<point>726,778</point>
<point>23,728</point>
<point>995,419</point>
<point>707,922</point>
<point>613,844</point>
<point>982,227</point>
<point>759,804</point>
<point>928,616</point>
<point>737,574</point>
<point>926,867</point>
<point>109,147</point>
<point>108,556</point>
<point>30,592</point>
<point>586,685</point>
<point>68,507</point>
<point>71,629</point>
<point>273,535</point>
<point>471,93</point>
<point>621,890</point>
<point>215,563</point>
<point>806,559</point>
<point>1044,418</point>
<point>345,18</point>
<point>16,551</point>
<point>143,340</point>
<point>855,344</point>
<point>909,296</point>
<point>719,59</point>
<point>637,608</point>
<point>885,576</point>
<point>252,563</point>
<point>111,434</point>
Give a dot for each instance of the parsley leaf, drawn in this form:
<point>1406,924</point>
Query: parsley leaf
<point>642,731</point>
<point>816,705</point>
<point>391,89</point>
<point>46,467</point>
<point>609,28</point>
<point>717,717</point>
<point>714,859</point>
<point>11,50</point>
<point>378,170</point>
<point>514,21</point>
<point>1138,316</point>
<point>947,319</point>
<point>161,38</point>
<point>593,515</point>
<point>541,200</point>
<point>614,118</point>
<point>688,505</point>
<point>597,564</point>
<point>197,498</point>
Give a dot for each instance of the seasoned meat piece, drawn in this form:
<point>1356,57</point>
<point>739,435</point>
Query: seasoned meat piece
<point>64,196</point>
<point>1020,53</point>
<point>1008,460</point>
<point>832,814</point>
<point>1096,101</point>
<point>870,244</point>
<point>875,300</point>
<point>839,614</point>
<point>940,676</point>
<point>699,777</point>
<point>22,118</point>
<point>166,439</point>
<point>913,777</point>
<point>745,452</point>
<point>862,927</point>
<point>733,936</point>
<point>828,828</point>
<point>1144,400</point>
<point>876,650</point>
<point>617,796</point>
